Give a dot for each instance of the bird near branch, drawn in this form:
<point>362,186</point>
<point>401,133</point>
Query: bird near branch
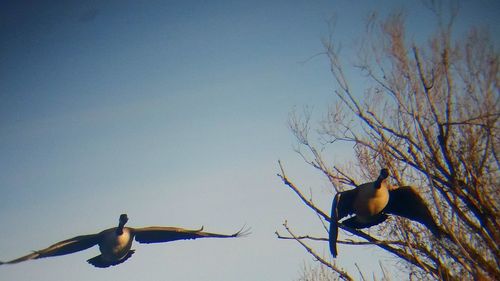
<point>115,243</point>
<point>372,202</point>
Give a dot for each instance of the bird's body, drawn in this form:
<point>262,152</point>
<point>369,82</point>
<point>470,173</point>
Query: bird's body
<point>115,247</point>
<point>372,202</point>
<point>115,244</point>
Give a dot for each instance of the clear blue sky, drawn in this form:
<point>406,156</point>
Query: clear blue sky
<point>174,112</point>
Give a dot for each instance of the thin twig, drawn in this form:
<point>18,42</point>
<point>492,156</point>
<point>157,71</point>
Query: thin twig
<point>346,242</point>
<point>342,274</point>
<point>300,194</point>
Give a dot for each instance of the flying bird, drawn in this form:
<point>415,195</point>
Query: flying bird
<point>372,202</point>
<point>115,243</point>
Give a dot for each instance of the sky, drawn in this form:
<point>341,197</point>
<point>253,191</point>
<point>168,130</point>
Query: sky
<point>174,112</point>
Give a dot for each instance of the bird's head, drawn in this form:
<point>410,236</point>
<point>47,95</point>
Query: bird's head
<point>123,219</point>
<point>384,173</point>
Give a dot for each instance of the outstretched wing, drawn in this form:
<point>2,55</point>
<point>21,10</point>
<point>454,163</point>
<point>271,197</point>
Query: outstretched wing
<point>341,207</point>
<point>160,234</point>
<point>405,202</point>
<point>344,203</point>
<point>75,244</point>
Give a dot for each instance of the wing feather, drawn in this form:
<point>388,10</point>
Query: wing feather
<point>405,202</point>
<point>341,207</point>
<point>160,234</point>
<point>69,246</point>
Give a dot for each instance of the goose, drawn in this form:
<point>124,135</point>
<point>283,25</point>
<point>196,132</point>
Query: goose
<point>372,202</point>
<point>115,243</point>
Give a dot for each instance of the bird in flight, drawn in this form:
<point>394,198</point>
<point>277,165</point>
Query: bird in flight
<point>372,202</point>
<point>115,243</point>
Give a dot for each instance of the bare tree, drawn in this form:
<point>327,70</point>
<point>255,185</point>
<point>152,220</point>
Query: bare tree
<point>318,272</point>
<point>431,116</point>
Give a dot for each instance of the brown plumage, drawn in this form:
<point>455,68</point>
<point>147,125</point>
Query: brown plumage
<point>115,243</point>
<point>372,202</point>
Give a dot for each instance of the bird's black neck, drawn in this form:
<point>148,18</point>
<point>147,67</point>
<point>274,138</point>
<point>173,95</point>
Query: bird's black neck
<point>378,183</point>
<point>384,173</point>
<point>119,229</point>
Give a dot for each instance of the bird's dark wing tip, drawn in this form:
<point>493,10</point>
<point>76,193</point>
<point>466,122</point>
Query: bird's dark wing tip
<point>244,231</point>
<point>333,233</point>
<point>333,248</point>
<point>100,263</point>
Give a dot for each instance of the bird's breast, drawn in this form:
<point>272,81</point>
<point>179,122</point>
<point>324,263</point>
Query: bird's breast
<point>370,201</point>
<point>114,247</point>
